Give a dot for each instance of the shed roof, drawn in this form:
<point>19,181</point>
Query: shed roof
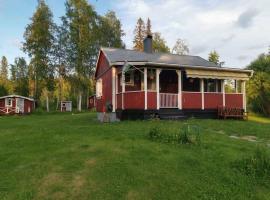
<point>16,96</point>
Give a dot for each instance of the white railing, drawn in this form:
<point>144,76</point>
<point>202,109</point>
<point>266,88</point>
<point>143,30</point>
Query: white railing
<point>168,100</point>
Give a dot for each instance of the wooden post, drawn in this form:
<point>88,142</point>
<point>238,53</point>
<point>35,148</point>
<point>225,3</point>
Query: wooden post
<point>179,89</point>
<point>145,88</point>
<point>244,95</point>
<point>202,92</point>
<point>223,92</point>
<point>113,89</point>
<point>157,87</point>
<point>236,86</point>
<point>123,89</point>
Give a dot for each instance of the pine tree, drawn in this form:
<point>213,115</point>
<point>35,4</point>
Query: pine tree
<point>139,33</point>
<point>38,44</point>
<point>148,27</point>
<point>214,57</point>
<point>4,68</point>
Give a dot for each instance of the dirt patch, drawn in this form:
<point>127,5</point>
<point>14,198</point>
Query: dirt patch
<point>132,195</point>
<point>91,162</point>
<point>249,138</point>
<point>47,186</point>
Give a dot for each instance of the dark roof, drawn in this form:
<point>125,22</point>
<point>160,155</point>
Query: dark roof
<point>122,55</point>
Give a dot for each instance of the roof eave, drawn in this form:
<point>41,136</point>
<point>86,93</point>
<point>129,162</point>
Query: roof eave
<point>187,66</point>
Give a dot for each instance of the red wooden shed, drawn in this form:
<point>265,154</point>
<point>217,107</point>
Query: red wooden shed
<point>15,104</point>
<point>146,84</point>
<point>92,102</point>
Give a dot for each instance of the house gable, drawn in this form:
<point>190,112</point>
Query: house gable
<point>103,64</point>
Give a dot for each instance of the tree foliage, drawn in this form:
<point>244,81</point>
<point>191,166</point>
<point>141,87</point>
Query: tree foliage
<point>140,33</point>
<point>258,88</point>
<point>180,47</point>
<point>38,44</point>
<point>4,68</point>
<point>159,44</point>
<point>19,76</point>
<point>214,57</point>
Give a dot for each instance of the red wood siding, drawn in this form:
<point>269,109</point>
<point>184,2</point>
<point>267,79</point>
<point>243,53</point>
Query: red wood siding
<point>212,100</point>
<point>234,100</point>
<point>2,102</point>
<point>134,100</point>
<point>91,102</point>
<point>191,100</point>
<point>105,73</point>
<point>119,101</point>
<point>151,100</point>
<point>28,106</point>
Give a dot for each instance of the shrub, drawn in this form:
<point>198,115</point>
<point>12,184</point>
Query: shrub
<point>187,135</point>
<point>256,165</point>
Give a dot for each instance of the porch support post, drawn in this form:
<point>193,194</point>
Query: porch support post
<point>223,92</point>
<point>157,87</point>
<point>123,89</point>
<point>244,95</point>
<point>116,89</point>
<point>145,88</point>
<point>113,89</point>
<point>236,86</point>
<point>179,89</point>
<point>202,92</point>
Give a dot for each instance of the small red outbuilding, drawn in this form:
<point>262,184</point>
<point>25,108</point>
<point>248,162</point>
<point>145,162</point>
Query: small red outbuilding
<point>15,104</point>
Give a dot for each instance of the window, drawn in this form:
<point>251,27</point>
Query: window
<point>129,78</point>
<point>210,85</point>
<point>99,88</point>
<point>8,102</point>
<point>151,79</point>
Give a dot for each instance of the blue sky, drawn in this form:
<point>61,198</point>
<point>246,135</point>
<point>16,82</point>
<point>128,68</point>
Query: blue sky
<point>237,29</point>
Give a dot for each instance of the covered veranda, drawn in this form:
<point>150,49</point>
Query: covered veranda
<point>183,88</point>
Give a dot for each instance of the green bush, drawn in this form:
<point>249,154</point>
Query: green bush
<point>256,165</point>
<point>187,135</point>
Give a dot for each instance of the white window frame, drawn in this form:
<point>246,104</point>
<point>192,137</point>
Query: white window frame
<point>8,102</point>
<point>99,88</point>
<point>131,82</point>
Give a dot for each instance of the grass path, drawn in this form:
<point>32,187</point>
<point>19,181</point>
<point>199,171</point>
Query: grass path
<point>64,156</point>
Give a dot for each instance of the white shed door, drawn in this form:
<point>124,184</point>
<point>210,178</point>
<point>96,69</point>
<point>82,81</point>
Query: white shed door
<point>20,104</point>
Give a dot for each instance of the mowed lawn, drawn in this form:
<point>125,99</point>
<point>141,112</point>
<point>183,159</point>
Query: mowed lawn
<point>72,156</point>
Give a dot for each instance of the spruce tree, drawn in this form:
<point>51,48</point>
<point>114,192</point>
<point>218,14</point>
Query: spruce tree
<point>139,33</point>
<point>148,27</point>
<point>4,68</point>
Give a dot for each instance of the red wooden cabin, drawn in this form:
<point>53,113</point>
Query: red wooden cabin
<point>92,102</point>
<point>146,84</point>
<point>15,104</point>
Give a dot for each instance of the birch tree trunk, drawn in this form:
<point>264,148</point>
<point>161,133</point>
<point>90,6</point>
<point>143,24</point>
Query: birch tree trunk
<point>47,103</point>
<point>80,102</point>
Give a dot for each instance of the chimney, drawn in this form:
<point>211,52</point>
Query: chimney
<point>147,44</point>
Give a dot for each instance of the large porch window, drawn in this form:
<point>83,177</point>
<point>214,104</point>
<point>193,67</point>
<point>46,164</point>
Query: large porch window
<point>191,84</point>
<point>212,85</point>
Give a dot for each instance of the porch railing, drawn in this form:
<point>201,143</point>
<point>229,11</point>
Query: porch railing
<point>168,100</point>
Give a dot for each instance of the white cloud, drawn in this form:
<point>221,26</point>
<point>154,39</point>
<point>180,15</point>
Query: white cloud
<point>230,27</point>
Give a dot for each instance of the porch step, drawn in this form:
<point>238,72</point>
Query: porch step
<point>173,114</point>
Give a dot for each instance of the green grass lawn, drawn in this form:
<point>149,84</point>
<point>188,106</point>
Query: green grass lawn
<point>65,156</point>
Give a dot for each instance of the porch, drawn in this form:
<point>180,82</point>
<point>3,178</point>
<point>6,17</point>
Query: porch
<point>157,88</point>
